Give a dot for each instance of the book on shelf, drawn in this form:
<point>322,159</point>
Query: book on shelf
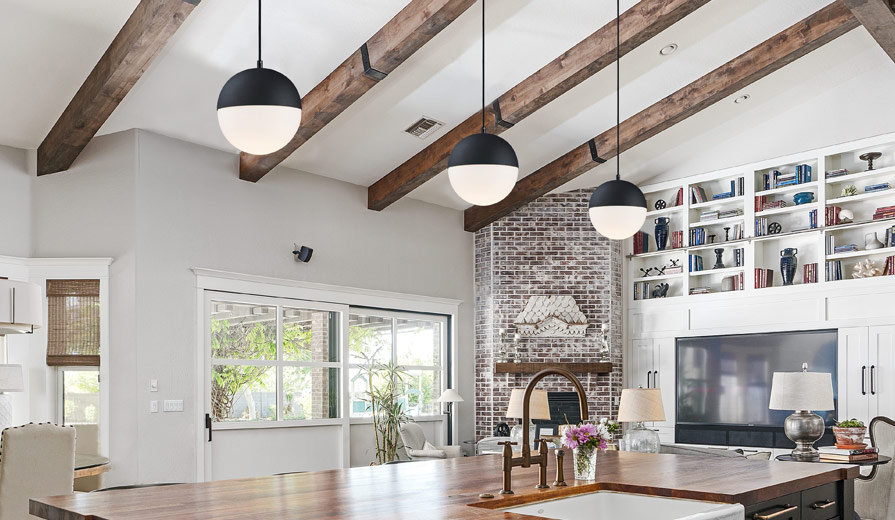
<point>642,291</point>
<point>830,244</point>
<point>812,219</point>
<point>889,266</point>
<point>803,173</point>
<point>725,195</point>
<point>773,205</point>
<point>831,215</point>
<point>740,186</point>
<point>700,290</point>
<point>760,201</point>
<point>847,248</point>
<point>834,270</point>
<point>695,262</point>
<point>890,237</point>
<point>641,242</point>
<point>739,257</point>
<point>709,215</point>
<point>674,269</point>
<point>697,237</point>
<point>736,232</point>
<point>809,273</point>
<point>883,186</point>
<point>697,195</point>
<point>679,198</point>
<point>677,239</point>
<point>837,173</point>
<point>884,212</point>
<point>764,278</point>
<point>732,283</point>
<point>728,213</point>
<point>761,226</point>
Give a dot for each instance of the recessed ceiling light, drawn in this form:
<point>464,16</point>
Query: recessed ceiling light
<point>668,49</point>
<point>741,99</point>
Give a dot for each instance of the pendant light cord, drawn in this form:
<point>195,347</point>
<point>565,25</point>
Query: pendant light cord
<point>260,63</point>
<point>618,89</point>
<point>483,66</point>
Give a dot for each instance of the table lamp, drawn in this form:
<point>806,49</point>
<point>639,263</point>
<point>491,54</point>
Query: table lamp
<point>802,392</point>
<point>539,409</point>
<point>10,381</point>
<point>637,406</point>
<point>449,397</point>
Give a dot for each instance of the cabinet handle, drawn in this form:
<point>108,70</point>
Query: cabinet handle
<point>648,372</point>
<point>872,380</point>
<point>655,379</point>
<point>863,380</point>
<point>786,510</point>
<point>823,505</point>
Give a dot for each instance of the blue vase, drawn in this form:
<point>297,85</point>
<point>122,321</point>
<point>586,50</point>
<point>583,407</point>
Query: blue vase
<point>788,263</point>
<point>661,232</point>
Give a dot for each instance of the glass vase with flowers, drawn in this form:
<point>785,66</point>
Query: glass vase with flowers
<point>585,440</point>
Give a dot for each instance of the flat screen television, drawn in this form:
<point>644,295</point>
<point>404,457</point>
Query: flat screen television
<point>725,381</point>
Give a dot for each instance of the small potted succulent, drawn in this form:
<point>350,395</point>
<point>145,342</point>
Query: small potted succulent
<point>850,434</point>
<point>613,429</point>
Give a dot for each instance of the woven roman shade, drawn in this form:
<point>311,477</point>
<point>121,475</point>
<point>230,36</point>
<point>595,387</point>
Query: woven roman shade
<point>73,322</point>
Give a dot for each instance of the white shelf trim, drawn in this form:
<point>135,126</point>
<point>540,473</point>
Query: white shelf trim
<point>706,223</point>
<point>861,196</point>
<point>886,251</point>
<point>861,175</point>
<point>726,270</point>
<point>795,187</point>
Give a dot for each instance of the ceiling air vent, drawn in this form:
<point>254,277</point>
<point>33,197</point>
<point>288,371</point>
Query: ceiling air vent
<point>425,127</point>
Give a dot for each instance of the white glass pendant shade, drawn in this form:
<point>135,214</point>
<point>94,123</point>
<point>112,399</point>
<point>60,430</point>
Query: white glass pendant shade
<point>617,209</point>
<point>483,169</point>
<point>259,129</point>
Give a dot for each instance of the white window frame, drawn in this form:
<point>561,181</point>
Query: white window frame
<point>60,391</point>
<point>442,356</point>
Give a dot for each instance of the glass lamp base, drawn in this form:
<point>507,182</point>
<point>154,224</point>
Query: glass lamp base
<point>641,439</point>
<point>516,434</point>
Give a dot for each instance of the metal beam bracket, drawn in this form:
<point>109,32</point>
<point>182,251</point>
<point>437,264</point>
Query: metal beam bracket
<point>593,152</point>
<point>369,70</point>
<point>499,120</point>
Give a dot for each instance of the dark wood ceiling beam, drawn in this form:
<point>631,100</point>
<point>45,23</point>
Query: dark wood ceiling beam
<point>398,39</point>
<point>592,54</point>
<point>878,17</point>
<point>145,33</point>
<point>771,55</point>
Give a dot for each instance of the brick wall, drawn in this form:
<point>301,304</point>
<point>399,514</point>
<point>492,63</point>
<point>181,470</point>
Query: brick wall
<point>548,247</point>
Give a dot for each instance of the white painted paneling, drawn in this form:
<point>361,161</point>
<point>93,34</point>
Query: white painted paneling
<point>881,341</point>
<point>641,364</point>
<point>664,376</point>
<point>854,363</point>
<point>243,453</point>
<point>764,313</point>
<point>860,306</point>
<point>659,319</point>
<point>15,203</point>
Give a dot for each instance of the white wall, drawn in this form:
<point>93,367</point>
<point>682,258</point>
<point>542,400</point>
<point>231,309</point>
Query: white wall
<point>160,206</point>
<point>15,203</point>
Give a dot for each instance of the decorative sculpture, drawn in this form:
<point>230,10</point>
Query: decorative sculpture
<point>866,269</point>
<point>551,316</point>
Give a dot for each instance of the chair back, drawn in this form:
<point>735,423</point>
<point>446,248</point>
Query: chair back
<point>413,436</point>
<point>36,460</point>
<point>875,494</point>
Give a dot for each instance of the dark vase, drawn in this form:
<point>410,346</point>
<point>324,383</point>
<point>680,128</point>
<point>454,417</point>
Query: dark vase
<point>661,232</point>
<point>788,263</point>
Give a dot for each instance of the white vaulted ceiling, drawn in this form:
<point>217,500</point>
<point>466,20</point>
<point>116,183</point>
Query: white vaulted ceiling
<point>49,47</point>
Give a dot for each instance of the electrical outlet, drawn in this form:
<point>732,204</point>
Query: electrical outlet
<point>153,385</point>
<point>173,405</point>
<point>153,406</point>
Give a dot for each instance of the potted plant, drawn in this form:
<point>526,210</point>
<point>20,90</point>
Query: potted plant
<point>613,429</point>
<point>585,440</point>
<point>850,434</point>
<point>384,402</point>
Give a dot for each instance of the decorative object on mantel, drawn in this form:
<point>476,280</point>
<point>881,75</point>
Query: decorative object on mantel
<point>604,338</point>
<point>719,264</point>
<point>660,290</point>
<point>10,381</point>
<point>871,241</point>
<point>660,204</point>
<point>639,405</point>
<point>551,316</point>
<point>662,232</point>
<point>866,269</point>
<point>510,354</point>
<point>803,392</point>
<point>870,157</point>
<point>849,191</point>
<point>788,264</point>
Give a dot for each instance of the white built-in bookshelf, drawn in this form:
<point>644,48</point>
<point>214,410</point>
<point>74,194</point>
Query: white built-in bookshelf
<point>758,201</point>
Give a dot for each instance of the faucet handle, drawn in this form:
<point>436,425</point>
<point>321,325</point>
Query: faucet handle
<point>507,443</point>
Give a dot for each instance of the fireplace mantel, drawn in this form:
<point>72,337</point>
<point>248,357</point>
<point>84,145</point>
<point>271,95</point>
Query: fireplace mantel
<point>533,368</point>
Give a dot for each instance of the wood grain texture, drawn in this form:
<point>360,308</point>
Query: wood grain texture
<point>533,368</point>
<point>92,471</point>
<point>397,40</point>
<point>771,55</point>
<point>878,18</point>
<point>145,33</point>
<point>442,489</point>
<point>589,56</point>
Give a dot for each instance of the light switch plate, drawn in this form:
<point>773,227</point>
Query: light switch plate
<point>153,385</point>
<point>173,405</point>
<point>153,406</point>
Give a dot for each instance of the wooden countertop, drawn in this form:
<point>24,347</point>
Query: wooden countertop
<point>442,489</point>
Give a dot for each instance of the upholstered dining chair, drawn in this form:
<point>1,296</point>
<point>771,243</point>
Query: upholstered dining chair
<point>414,439</point>
<point>87,441</point>
<point>875,493</point>
<point>36,460</point>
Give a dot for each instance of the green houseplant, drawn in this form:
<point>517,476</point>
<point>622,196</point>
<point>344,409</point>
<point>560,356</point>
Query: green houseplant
<point>849,433</point>
<point>383,401</point>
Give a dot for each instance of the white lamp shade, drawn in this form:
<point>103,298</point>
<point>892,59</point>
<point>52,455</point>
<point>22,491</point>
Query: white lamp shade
<point>539,408</point>
<point>617,222</point>
<point>21,307</point>
<point>259,129</point>
<point>11,378</point>
<point>802,391</point>
<point>641,404</point>
<point>450,396</point>
<point>483,184</point>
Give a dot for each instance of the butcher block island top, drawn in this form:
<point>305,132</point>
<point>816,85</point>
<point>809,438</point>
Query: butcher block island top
<point>443,489</point>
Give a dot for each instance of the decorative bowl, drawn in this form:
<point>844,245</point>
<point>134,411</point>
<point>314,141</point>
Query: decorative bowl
<point>803,197</point>
<point>849,436</point>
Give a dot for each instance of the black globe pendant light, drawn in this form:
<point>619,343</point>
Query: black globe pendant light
<point>259,110</point>
<point>617,208</point>
<point>483,167</point>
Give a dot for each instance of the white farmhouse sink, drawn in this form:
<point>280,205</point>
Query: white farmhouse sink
<point>611,505</point>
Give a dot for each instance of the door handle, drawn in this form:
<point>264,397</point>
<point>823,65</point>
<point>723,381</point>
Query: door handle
<point>872,380</point>
<point>208,426</point>
<point>864,380</point>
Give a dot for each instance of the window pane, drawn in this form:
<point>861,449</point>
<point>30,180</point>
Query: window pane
<point>419,342</point>
<point>241,331</point>
<point>310,335</point>
<point>369,338</point>
<point>243,393</point>
<point>80,397</point>
<point>310,393</point>
<point>421,389</point>
<point>358,386</point>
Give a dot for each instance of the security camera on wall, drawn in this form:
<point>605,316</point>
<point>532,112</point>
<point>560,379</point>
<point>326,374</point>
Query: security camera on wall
<point>303,253</point>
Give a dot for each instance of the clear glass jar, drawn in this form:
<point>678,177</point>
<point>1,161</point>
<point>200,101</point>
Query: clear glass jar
<point>585,463</point>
